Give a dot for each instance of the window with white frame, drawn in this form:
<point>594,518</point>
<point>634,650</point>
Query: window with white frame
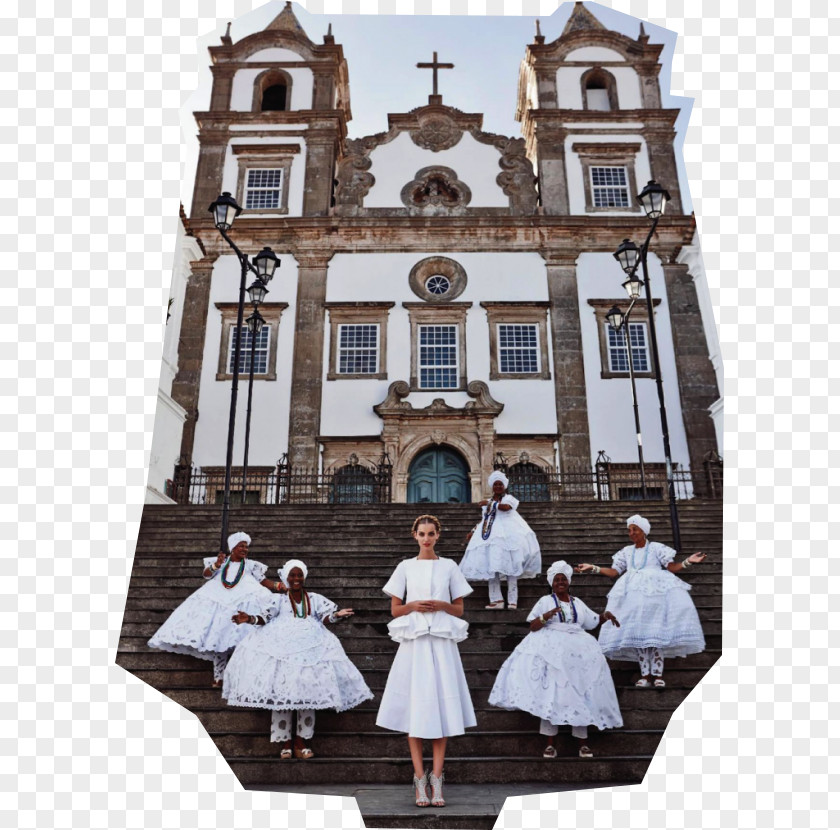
<point>437,357</point>
<point>519,348</point>
<point>260,350</point>
<point>617,348</point>
<point>358,349</point>
<point>263,188</point>
<point>609,187</point>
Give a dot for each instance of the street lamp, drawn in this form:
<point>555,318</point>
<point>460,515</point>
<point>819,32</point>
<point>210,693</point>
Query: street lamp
<point>653,199</point>
<point>255,324</point>
<point>617,321</point>
<point>225,210</point>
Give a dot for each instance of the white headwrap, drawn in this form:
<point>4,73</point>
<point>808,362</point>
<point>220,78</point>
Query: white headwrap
<point>235,538</point>
<point>641,522</point>
<point>292,563</point>
<point>497,475</point>
<point>560,567</point>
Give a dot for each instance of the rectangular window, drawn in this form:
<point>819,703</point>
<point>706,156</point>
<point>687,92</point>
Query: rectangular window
<point>617,347</point>
<point>263,188</point>
<point>609,187</point>
<point>358,349</point>
<point>518,348</point>
<point>438,357</point>
<point>260,350</point>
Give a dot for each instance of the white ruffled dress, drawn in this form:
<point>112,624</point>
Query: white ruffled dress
<point>426,695</point>
<point>558,672</point>
<point>201,625</point>
<point>511,549</point>
<point>294,663</point>
<point>653,606</point>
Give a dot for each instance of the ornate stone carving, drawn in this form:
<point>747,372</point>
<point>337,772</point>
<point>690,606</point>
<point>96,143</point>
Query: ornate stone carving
<point>517,178</point>
<point>436,132</point>
<point>438,435</point>
<point>479,390</point>
<point>436,191</point>
<point>398,391</point>
<point>353,182</point>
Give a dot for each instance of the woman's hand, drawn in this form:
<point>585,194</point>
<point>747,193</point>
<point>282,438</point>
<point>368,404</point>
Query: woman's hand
<point>345,612</point>
<point>584,567</point>
<point>220,560</point>
<point>608,615</point>
<point>240,617</point>
<point>696,558</point>
<point>505,507</point>
<point>430,605</point>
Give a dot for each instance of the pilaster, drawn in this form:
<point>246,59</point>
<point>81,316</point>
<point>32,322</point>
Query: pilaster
<point>321,144</point>
<point>551,169</point>
<point>208,175</point>
<point>663,164</point>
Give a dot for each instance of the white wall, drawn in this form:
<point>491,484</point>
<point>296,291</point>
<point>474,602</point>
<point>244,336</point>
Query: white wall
<point>230,170</point>
<point>626,87</point>
<point>611,425</point>
<point>574,170</point>
<point>242,93</point>
<point>396,163</point>
<point>270,409</point>
<point>596,54</point>
<point>347,405</point>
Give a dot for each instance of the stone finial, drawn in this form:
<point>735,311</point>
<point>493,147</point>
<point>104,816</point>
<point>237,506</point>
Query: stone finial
<point>643,35</point>
<point>226,39</point>
<point>328,37</point>
<point>539,37</point>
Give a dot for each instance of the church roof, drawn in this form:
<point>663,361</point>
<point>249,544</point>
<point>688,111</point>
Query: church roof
<point>582,19</point>
<point>286,21</point>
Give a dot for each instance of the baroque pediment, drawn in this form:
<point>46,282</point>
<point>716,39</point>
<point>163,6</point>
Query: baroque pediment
<point>396,405</point>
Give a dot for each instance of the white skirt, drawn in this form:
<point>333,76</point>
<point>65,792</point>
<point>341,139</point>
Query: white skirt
<point>655,610</point>
<point>560,675</point>
<point>426,695</point>
<point>293,663</point>
<point>512,549</point>
<point>201,627</point>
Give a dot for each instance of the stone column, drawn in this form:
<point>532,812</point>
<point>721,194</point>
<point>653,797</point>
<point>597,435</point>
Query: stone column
<point>649,85</point>
<point>547,88</point>
<point>663,165</point>
<point>695,373</point>
<point>323,90</point>
<point>321,140</point>
<point>308,360</point>
<point>567,351</point>
<point>187,383</point>
<point>222,87</point>
<point>551,169</point>
<point>208,174</point>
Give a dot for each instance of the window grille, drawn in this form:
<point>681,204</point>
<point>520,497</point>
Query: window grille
<point>358,349</point>
<point>438,357</point>
<point>260,350</point>
<point>609,187</point>
<point>263,188</point>
<point>617,348</point>
<point>518,348</point>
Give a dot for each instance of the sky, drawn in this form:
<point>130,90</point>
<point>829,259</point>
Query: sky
<point>382,52</point>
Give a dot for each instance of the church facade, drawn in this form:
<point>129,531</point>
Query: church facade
<point>442,290</point>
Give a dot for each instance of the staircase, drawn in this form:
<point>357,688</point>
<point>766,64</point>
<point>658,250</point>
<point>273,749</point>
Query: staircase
<point>350,551</point>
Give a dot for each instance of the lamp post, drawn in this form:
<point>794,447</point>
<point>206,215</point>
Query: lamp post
<point>225,210</point>
<point>617,321</point>
<point>255,324</point>
<point>652,199</point>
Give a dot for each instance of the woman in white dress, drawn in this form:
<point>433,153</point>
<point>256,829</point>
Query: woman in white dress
<point>659,619</point>
<point>558,672</point>
<point>200,626</point>
<point>292,665</point>
<point>501,546</point>
<point>426,695</point>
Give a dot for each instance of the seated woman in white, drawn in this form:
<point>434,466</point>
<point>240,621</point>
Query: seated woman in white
<point>426,695</point>
<point>501,546</point>
<point>558,672</point>
<point>200,626</point>
<point>292,665</point>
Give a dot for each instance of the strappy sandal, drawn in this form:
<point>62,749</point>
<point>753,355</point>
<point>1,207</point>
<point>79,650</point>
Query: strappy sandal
<point>643,683</point>
<point>421,794</point>
<point>437,790</point>
<point>659,683</point>
<point>285,754</point>
<point>585,752</point>
<point>549,752</point>
<point>217,684</point>
<point>512,606</point>
<point>304,753</point>
<point>496,606</point>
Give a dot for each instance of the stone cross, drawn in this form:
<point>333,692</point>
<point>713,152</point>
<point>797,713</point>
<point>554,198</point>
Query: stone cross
<point>434,66</point>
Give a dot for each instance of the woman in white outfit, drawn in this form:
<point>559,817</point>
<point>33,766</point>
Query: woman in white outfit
<point>426,695</point>
<point>558,672</point>
<point>292,665</point>
<point>200,626</point>
<point>658,618</point>
<point>501,546</point>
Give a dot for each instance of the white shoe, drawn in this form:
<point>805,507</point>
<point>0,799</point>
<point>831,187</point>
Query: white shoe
<point>499,605</point>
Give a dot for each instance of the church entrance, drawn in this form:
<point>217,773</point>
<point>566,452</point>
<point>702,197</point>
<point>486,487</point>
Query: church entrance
<point>436,475</point>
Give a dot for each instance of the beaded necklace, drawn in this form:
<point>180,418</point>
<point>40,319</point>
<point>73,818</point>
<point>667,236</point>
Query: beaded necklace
<point>305,606</point>
<point>562,613</point>
<point>238,576</point>
<point>489,518</point>
<point>647,545</point>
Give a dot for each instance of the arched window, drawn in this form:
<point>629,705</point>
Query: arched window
<point>272,91</point>
<point>598,90</point>
<point>528,482</point>
<point>353,484</point>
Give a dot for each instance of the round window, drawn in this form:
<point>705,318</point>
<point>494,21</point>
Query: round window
<point>437,284</point>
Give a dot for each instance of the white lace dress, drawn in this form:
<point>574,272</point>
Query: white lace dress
<point>653,606</point>
<point>558,672</point>
<point>294,663</point>
<point>201,624</point>
<point>426,695</point>
<point>510,549</point>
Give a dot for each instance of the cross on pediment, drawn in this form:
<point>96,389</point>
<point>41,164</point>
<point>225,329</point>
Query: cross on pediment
<point>434,66</point>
